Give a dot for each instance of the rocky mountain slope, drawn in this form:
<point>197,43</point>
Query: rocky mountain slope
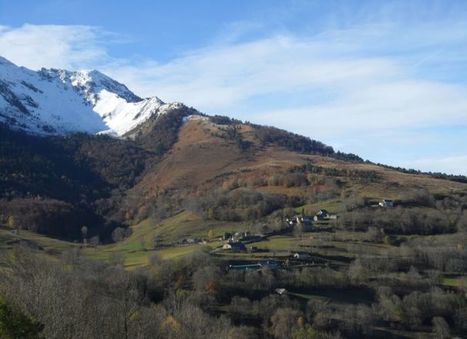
<point>53,101</point>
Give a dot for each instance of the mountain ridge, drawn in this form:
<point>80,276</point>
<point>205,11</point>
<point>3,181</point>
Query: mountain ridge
<point>56,101</point>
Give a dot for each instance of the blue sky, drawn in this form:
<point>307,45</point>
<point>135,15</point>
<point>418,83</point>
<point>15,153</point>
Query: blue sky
<point>384,79</point>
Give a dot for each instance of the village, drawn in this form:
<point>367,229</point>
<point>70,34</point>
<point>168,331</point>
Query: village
<point>237,242</point>
<point>242,250</point>
<point>247,243</point>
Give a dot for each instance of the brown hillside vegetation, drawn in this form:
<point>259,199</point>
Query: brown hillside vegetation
<point>202,153</point>
<point>206,159</point>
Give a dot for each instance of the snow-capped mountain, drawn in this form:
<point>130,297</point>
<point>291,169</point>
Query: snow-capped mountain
<point>53,101</point>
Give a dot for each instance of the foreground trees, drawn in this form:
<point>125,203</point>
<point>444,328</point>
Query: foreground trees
<point>193,297</point>
<point>90,300</point>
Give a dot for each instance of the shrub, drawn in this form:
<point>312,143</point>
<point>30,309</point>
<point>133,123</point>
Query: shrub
<point>14,324</point>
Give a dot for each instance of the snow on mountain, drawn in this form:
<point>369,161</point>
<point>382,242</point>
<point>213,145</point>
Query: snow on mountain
<point>53,101</point>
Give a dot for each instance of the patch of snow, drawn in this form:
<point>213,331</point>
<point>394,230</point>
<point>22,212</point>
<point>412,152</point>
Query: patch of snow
<point>54,101</point>
<point>195,117</point>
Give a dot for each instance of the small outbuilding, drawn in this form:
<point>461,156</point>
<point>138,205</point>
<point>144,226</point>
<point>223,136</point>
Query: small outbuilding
<point>280,291</point>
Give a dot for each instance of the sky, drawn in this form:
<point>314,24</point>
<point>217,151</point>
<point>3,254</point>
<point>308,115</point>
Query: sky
<point>386,80</point>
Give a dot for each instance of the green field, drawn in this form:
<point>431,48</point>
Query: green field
<point>137,248</point>
<point>7,238</point>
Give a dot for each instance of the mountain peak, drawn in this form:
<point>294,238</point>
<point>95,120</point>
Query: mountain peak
<point>59,101</point>
<point>97,81</point>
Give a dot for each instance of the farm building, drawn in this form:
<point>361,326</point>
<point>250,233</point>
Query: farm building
<point>304,222</point>
<point>386,203</point>
<point>324,215</point>
<point>234,246</point>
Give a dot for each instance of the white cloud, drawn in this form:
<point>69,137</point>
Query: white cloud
<point>220,77</point>
<point>53,46</point>
<point>375,108</point>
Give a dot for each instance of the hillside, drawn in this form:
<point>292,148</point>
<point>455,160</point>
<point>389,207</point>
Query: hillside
<point>209,163</point>
<point>219,169</point>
